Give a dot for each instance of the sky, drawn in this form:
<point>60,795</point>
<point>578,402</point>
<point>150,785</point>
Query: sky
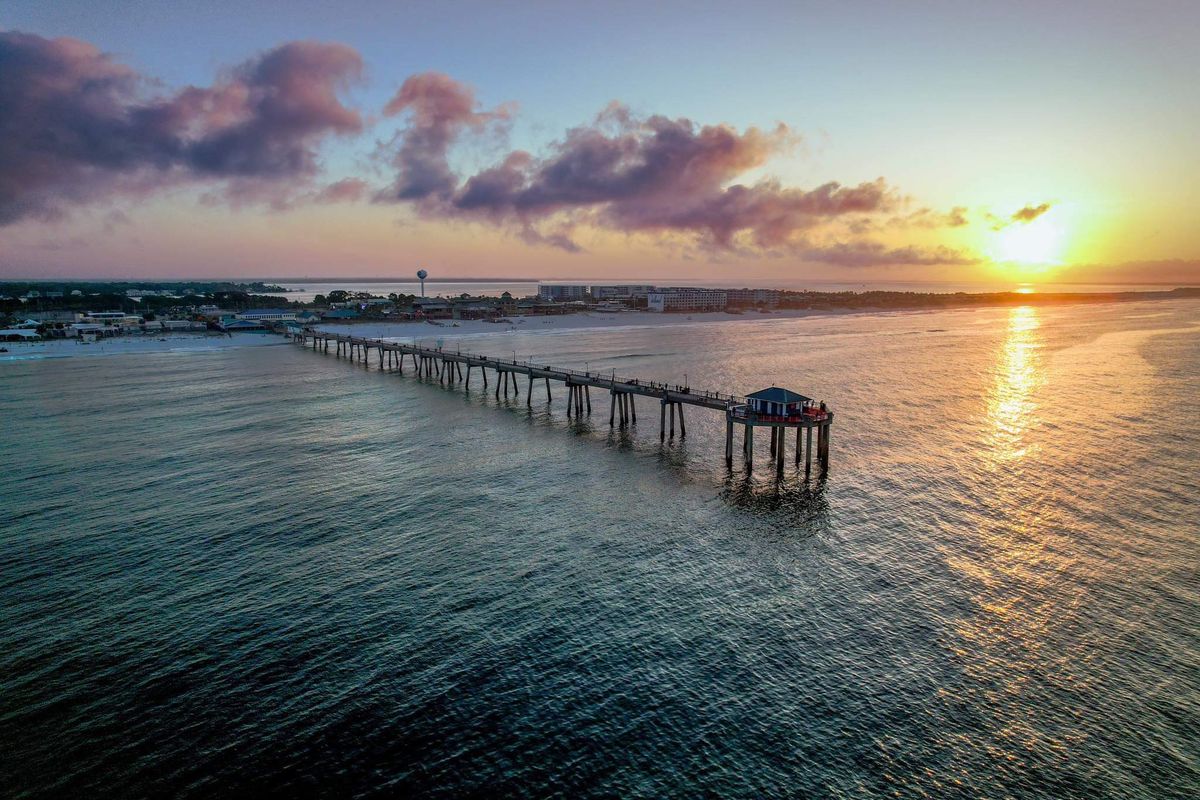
<point>940,141</point>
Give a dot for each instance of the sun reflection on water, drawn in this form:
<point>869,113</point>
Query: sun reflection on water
<point>1011,402</point>
<point>1002,643</point>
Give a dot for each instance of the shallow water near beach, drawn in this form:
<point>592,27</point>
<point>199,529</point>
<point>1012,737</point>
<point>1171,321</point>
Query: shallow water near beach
<point>265,569</point>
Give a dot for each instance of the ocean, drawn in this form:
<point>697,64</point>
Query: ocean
<point>264,570</point>
<point>303,290</point>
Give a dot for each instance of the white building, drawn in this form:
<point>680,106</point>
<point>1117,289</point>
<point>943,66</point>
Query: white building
<point>266,315</point>
<point>682,299</point>
<point>113,318</point>
<point>562,291</point>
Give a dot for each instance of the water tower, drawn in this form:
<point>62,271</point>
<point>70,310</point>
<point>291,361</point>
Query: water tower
<point>422,275</point>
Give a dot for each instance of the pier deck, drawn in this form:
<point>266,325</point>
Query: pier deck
<point>448,365</point>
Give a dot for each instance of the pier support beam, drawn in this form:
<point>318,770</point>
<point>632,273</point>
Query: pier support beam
<point>728,440</point>
<point>823,452</point>
<point>808,452</point>
<point>779,448</point>
<point>748,448</point>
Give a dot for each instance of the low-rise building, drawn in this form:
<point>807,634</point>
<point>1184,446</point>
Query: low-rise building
<point>184,325</point>
<point>265,315</point>
<point>432,308</point>
<point>55,316</point>
<point>118,319</point>
<point>17,334</point>
<point>683,299</point>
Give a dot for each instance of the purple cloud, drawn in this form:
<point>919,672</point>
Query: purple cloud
<point>439,110</point>
<point>77,126</point>
<point>622,172</point>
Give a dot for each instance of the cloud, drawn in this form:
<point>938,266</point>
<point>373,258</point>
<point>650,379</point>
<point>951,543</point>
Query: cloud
<point>439,110</point>
<point>76,126</point>
<point>349,190</point>
<point>865,253</point>
<point>1030,213</point>
<point>622,172</point>
<point>1022,215</point>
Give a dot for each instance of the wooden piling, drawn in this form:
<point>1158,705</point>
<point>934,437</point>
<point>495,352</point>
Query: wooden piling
<point>748,444</point>
<point>808,452</point>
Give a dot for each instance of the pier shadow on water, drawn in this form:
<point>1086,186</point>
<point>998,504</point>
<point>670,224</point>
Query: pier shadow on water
<point>791,503</point>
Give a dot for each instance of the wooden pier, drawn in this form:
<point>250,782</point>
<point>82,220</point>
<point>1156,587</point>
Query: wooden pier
<point>455,367</point>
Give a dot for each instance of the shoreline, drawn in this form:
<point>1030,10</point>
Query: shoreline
<point>421,331</point>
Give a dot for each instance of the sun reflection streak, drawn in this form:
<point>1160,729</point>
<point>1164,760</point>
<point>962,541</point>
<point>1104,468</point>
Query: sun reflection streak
<point>1011,405</point>
<point>1003,642</point>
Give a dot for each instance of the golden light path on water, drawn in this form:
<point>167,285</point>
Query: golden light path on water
<point>1013,561</point>
<point>1010,403</point>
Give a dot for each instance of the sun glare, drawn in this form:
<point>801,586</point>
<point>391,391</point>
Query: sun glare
<point>1034,244</point>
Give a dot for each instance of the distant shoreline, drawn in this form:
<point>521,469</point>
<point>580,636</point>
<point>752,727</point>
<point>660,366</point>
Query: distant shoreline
<point>582,322</point>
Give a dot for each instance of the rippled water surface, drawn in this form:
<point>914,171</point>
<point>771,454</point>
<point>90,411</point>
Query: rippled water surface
<point>263,569</point>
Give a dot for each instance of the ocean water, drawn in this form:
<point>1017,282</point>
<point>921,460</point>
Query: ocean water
<point>304,290</point>
<point>266,570</point>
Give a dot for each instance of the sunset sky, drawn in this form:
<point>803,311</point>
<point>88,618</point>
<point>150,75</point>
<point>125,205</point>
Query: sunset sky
<point>990,142</point>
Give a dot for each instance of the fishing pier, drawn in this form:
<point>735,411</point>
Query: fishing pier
<point>775,409</point>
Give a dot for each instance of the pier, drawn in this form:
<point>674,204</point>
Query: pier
<point>776,410</point>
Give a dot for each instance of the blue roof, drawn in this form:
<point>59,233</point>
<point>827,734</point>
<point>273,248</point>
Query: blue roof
<point>778,395</point>
<point>340,313</point>
<point>258,312</point>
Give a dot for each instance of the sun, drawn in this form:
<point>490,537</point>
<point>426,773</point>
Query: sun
<point>1033,244</point>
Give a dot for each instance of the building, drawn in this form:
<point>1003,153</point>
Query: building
<point>54,316</point>
<point>432,308</point>
<point>243,326</point>
<point>682,299</point>
<point>265,315</point>
<point>18,334</point>
<point>184,325</point>
<point>112,318</point>
<point>745,298</point>
<point>562,292</point>
<point>778,403</point>
<point>620,292</point>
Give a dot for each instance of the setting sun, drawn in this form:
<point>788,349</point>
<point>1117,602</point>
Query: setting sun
<point>1037,243</point>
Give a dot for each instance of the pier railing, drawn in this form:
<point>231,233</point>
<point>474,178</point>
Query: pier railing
<point>672,397</point>
<point>611,380</point>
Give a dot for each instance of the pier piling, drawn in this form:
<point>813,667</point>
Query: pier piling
<point>749,412</point>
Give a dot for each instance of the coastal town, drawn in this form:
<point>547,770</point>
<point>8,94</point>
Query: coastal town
<point>41,311</point>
